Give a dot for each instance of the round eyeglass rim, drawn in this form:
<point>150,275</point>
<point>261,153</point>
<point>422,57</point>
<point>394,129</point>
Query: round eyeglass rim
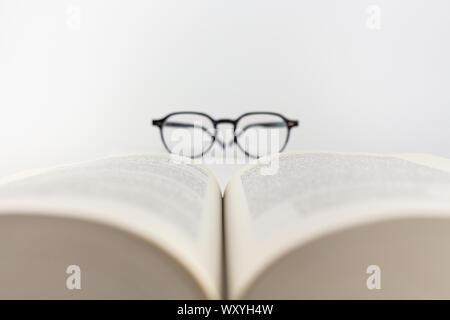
<point>194,113</point>
<point>286,121</point>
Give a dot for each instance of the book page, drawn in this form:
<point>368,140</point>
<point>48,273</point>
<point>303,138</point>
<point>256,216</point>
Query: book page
<point>313,193</point>
<point>176,205</point>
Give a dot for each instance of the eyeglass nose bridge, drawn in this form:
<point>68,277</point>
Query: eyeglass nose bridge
<point>229,121</point>
<point>218,121</point>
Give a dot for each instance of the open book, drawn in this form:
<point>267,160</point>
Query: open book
<point>143,226</point>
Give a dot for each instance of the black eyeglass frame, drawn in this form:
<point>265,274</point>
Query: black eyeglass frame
<point>288,122</point>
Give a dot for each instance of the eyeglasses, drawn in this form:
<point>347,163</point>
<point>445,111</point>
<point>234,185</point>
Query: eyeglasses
<point>193,134</point>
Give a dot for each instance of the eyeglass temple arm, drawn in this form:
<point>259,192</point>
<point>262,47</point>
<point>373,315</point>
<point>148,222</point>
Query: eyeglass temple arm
<point>190,125</point>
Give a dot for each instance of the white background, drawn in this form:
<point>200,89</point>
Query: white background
<point>83,79</point>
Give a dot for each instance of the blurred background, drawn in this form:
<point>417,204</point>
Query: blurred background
<point>82,79</point>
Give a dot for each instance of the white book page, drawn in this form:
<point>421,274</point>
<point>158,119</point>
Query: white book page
<point>313,193</point>
<point>175,205</point>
